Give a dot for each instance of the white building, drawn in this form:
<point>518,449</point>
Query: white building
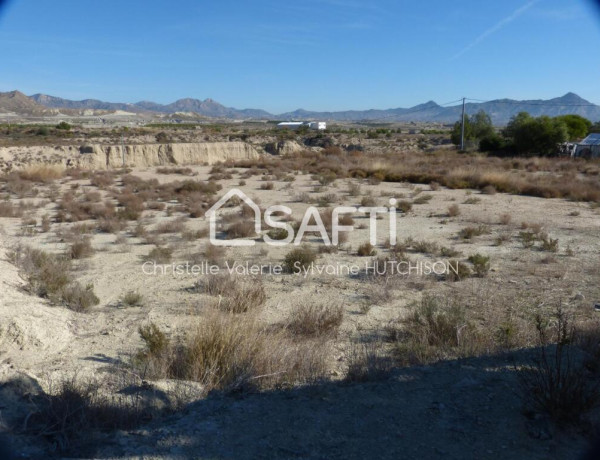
<point>290,124</point>
<point>316,125</point>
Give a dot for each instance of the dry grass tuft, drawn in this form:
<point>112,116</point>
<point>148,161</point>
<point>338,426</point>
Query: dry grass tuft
<point>233,353</point>
<point>81,249</point>
<point>557,382</point>
<point>453,210</point>
<point>49,276</point>
<point>314,320</point>
<point>367,361</point>
<point>235,296</point>
<point>41,173</point>
<point>366,250</point>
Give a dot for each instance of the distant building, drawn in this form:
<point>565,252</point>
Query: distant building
<point>316,125</point>
<point>290,124</point>
<point>589,147</point>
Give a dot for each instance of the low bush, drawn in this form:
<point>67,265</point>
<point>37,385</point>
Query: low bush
<point>49,276</point>
<point>481,264</point>
<point>458,271</point>
<point>235,296</point>
<point>422,199</point>
<point>557,383</point>
<point>368,201</point>
<point>404,206</point>
<point>41,173</point>
<point>298,259</point>
<point>434,329</point>
<point>453,210</point>
<point>315,319</point>
<point>132,299</point>
<point>470,232</point>
<point>354,189</point>
<point>505,219</point>
<point>548,244</point>
<point>182,171</point>
<point>366,250</point>
<point>241,229</point>
<point>215,255</point>
<point>425,247</point>
<point>160,255</point>
<point>81,249</point>
<point>172,226</point>
<point>233,353</point>
<point>74,409</point>
<point>367,362</point>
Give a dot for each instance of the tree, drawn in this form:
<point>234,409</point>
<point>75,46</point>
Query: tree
<point>63,125</point>
<point>482,125</point>
<point>536,135</point>
<point>595,128</point>
<point>477,127</point>
<point>577,126</point>
<point>515,123</point>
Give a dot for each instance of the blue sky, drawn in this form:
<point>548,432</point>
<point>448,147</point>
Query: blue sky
<point>313,54</point>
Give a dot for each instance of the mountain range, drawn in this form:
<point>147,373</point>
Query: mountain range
<point>500,110</point>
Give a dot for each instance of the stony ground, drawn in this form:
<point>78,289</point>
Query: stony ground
<point>457,409</point>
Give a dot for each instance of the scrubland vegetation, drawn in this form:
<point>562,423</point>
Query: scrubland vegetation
<point>521,296</point>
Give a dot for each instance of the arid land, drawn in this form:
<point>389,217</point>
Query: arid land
<point>99,358</point>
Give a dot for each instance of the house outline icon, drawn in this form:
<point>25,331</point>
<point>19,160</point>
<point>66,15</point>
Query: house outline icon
<point>211,214</point>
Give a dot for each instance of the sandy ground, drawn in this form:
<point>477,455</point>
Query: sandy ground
<point>460,410</point>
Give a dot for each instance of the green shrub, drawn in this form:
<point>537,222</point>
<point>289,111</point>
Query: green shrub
<point>155,341</point>
<point>481,264</point>
<point>299,258</point>
<point>458,271</point>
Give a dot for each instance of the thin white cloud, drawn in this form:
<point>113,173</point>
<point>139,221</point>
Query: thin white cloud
<point>500,25</point>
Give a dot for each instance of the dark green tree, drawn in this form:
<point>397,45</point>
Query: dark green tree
<point>577,126</point>
<point>477,127</point>
<point>531,136</point>
<point>595,128</point>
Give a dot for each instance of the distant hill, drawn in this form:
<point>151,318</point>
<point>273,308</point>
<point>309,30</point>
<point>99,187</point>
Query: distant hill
<point>207,107</point>
<point>500,110</point>
<point>86,104</point>
<point>17,102</point>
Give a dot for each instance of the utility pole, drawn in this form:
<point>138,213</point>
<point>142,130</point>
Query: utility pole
<point>462,127</point>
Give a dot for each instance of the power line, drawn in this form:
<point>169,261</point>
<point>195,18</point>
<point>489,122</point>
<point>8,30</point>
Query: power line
<point>532,104</point>
<point>411,111</point>
<point>540,104</point>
